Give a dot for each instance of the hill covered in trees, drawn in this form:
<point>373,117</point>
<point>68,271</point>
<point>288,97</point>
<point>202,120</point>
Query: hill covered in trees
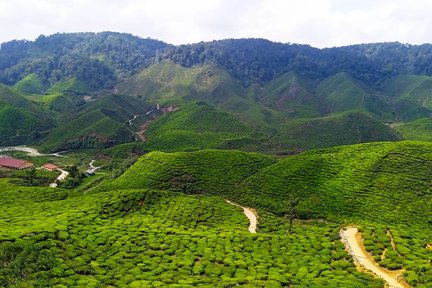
<point>286,96</point>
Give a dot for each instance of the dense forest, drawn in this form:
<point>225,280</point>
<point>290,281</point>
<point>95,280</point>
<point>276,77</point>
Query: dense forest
<point>101,59</point>
<point>97,59</point>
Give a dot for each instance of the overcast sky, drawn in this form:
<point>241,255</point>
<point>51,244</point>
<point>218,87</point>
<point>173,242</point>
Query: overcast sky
<point>320,23</point>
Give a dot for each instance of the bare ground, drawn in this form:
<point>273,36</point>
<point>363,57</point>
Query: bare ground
<point>353,242</point>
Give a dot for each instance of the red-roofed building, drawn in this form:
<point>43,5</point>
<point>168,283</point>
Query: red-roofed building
<point>50,167</point>
<point>13,163</point>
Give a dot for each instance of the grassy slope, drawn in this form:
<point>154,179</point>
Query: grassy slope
<point>341,93</point>
<point>334,130</point>
<point>412,96</point>
<point>22,120</point>
<point>97,123</point>
<point>169,83</point>
<point>385,182</point>
<point>381,186</point>
<point>31,84</point>
<point>290,94</point>
<point>140,238</point>
<point>419,130</point>
<point>206,171</point>
<point>194,126</point>
<point>364,181</point>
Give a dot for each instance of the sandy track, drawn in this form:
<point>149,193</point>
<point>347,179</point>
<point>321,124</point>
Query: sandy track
<point>60,178</point>
<point>250,215</point>
<point>30,151</point>
<point>349,236</point>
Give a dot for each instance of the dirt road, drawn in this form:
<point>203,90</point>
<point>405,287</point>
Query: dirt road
<point>350,238</point>
<point>60,178</point>
<point>250,215</point>
<point>30,151</point>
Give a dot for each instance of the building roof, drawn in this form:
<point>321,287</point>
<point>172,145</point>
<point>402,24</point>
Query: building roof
<point>14,163</point>
<point>50,166</point>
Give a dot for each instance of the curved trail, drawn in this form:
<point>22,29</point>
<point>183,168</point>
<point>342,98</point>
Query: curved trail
<point>350,238</point>
<point>250,215</point>
<point>60,178</point>
<point>30,151</point>
<point>92,168</point>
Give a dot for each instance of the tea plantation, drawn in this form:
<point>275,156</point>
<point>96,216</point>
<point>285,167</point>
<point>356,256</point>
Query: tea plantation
<point>382,187</point>
<point>153,238</point>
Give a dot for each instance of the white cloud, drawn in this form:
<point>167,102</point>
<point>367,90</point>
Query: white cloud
<point>320,23</point>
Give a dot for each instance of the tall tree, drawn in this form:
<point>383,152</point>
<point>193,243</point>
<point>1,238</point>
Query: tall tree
<point>291,211</point>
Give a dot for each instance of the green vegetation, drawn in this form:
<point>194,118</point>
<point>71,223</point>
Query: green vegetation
<point>366,181</point>
<point>372,184</point>
<point>339,129</point>
<point>290,94</point>
<point>194,126</point>
<point>401,247</point>
<point>31,84</point>
<point>22,121</point>
<point>156,219</point>
<point>96,60</point>
<point>416,130</point>
<point>99,124</point>
<point>136,238</point>
<point>213,172</point>
<point>73,85</point>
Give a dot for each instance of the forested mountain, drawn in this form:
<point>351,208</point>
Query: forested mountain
<point>102,58</point>
<point>97,59</point>
<point>276,90</point>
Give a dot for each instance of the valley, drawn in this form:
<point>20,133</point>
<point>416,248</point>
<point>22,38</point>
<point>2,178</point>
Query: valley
<point>239,162</point>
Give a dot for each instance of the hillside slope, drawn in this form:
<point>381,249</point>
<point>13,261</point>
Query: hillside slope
<point>334,130</point>
<point>97,124</point>
<point>195,126</point>
<point>145,238</point>
<point>385,182</point>
<point>207,171</point>
<point>22,121</point>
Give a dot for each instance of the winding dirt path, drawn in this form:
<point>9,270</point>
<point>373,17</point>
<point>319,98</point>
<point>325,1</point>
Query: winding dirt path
<point>250,215</point>
<point>351,238</point>
<point>92,167</point>
<point>30,151</point>
<point>60,178</point>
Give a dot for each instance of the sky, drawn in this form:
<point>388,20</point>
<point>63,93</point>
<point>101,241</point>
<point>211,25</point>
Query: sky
<point>319,23</point>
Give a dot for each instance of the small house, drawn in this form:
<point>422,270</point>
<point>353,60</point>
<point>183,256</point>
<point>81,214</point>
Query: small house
<point>50,167</point>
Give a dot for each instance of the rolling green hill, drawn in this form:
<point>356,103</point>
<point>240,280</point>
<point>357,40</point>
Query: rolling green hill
<point>343,93</point>
<point>413,96</point>
<point>195,126</point>
<point>169,83</point>
<point>419,130</point>
<point>22,121</point>
<point>139,238</point>
<point>337,129</point>
<point>30,84</point>
<point>386,182</point>
<point>380,186</point>
<point>363,181</point>
<point>97,124</point>
<point>207,171</point>
<point>290,94</point>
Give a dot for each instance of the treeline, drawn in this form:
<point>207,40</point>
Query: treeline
<point>259,60</point>
<point>101,59</point>
<point>96,59</point>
